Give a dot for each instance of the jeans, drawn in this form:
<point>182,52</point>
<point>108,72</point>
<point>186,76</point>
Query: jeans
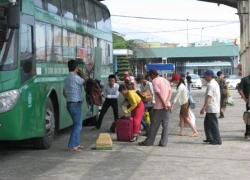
<point>212,128</point>
<point>75,111</point>
<point>189,86</point>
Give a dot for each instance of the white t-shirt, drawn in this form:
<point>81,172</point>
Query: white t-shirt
<point>132,79</point>
<point>182,94</point>
<point>213,90</point>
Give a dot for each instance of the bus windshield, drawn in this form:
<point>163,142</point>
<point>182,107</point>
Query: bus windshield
<point>7,47</point>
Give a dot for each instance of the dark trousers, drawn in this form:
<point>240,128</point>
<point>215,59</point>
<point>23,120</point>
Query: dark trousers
<point>107,103</point>
<point>247,126</point>
<point>159,117</point>
<point>212,128</point>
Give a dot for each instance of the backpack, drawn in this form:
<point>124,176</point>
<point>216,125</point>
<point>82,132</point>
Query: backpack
<point>93,92</point>
<point>145,95</point>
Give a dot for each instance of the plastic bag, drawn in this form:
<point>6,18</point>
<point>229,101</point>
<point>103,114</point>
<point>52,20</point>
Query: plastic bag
<point>147,117</point>
<point>191,118</point>
<point>230,101</point>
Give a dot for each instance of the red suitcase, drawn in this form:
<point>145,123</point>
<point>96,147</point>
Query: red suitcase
<point>124,129</point>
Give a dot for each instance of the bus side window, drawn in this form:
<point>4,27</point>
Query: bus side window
<point>54,6</point>
<point>68,9</point>
<point>26,49</point>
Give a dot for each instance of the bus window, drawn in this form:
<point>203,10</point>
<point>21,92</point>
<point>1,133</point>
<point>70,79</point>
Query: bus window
<point>49,42</point>
<point>107,21</point>
<point>65,46</point>
<point>81,51</point>
<point>40,41</point>
<point>57,44</point>
<point>39,3</point>
<point>72,45</point>
<point>90,12</point>
<point>99,18</point>
<point>80,13</point>
<point>54,6</point>
<point>27,63</point>
<point>68,9</point>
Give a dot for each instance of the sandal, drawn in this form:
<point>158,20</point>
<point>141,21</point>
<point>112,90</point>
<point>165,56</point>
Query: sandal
<point>76,149</point>
<point>134,139</point>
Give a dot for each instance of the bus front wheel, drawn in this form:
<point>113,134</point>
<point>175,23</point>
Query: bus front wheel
<point>46,141</point>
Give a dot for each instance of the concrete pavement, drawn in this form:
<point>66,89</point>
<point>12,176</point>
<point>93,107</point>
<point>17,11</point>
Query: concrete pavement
<point>184,157</point>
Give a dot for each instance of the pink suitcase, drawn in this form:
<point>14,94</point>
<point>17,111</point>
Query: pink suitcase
<point>124,129</point>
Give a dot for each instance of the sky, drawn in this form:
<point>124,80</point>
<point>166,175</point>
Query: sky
<point>185,10</point>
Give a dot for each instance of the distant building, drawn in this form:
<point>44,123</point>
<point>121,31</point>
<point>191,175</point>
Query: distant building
<point>200,67</point>
<point>157,45</point>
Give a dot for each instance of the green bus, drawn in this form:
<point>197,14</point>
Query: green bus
<point>37,38</point>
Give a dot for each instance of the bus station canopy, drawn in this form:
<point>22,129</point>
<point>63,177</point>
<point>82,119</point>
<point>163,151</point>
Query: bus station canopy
<point>205,53</point>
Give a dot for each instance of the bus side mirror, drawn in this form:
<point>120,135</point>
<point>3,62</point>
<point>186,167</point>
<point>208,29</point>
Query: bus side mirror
<point>13,17</point>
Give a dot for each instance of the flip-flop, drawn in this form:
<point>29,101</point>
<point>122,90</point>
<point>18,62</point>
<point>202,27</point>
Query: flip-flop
<point>75,149</point>
<point>80,147</point>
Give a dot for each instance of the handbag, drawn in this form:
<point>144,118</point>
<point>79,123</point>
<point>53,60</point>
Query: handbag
<point>191,102</point>
<point>145,95</point>
<point>246,117</point>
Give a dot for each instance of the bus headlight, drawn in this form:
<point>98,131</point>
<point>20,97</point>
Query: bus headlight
<point>8,100</point>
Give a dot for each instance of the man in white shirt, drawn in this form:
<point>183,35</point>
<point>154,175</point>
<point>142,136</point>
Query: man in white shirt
<point>212,107</point>
<point>110,93</point>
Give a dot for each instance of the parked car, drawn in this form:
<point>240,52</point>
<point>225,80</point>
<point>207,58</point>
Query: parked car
<point>233,81</point>
<point>196,81</point>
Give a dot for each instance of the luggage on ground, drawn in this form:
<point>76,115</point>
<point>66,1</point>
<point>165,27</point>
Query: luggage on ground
<point>124,129</point>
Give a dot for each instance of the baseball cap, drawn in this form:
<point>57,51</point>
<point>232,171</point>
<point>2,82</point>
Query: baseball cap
<point>209,72</point>
<point>153,71</point>
<point>175,77</point>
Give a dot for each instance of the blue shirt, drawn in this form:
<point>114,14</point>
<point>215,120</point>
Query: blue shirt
<point>73,85</point>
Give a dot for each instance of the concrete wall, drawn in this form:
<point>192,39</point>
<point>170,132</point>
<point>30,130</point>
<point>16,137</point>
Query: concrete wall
<point>243,10</point>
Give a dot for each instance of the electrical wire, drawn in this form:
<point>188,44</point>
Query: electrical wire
<point>171,19</point>
<point>179,29</point>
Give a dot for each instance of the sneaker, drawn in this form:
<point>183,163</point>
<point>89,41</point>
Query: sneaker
<point>94,129</point>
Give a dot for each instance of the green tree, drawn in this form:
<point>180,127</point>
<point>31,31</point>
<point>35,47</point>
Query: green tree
<point>123,65</point>
<point>118,41</point>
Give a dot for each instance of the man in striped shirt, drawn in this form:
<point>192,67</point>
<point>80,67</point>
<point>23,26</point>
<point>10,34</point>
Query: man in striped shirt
<point>73,85</point>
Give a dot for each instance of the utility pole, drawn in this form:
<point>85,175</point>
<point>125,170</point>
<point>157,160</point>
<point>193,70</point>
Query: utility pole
<point>187,33</point>
<point>201,35</point>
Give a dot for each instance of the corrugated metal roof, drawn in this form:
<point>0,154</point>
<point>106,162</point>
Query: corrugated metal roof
<point>188,52</point>
<point>231,3</point>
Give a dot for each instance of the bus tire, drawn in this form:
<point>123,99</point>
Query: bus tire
<point>46,141</point>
